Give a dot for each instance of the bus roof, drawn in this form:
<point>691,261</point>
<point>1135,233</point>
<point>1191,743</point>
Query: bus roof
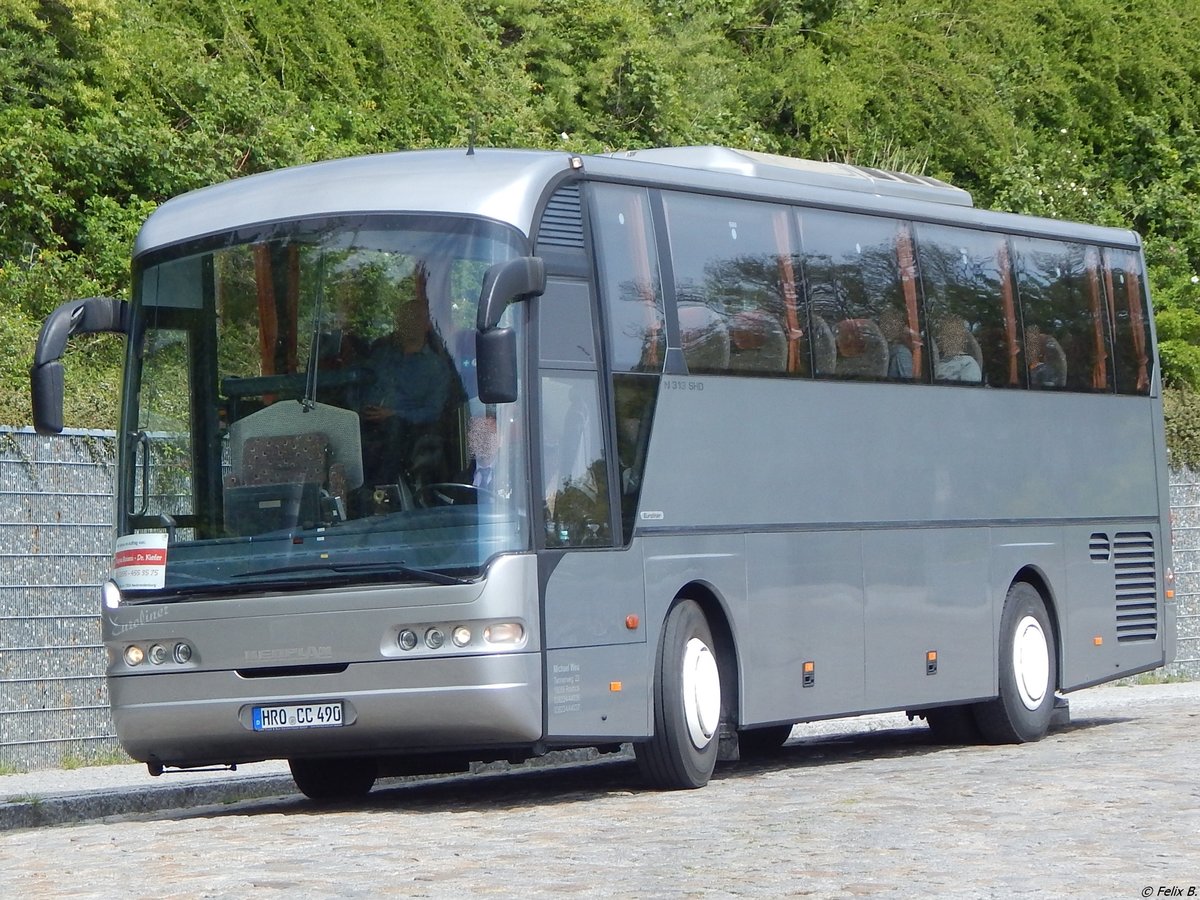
<point>509,185</point>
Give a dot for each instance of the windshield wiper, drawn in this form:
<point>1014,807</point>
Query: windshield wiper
<point>361,568</point>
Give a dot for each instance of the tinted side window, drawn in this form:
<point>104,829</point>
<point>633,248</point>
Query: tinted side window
<point>1066,341</point>
<point>630,284</point>
<point>1125,285</point>
<point>575,468</point>
<point>971,305</point>
<point>734,284</point>
<point>634,397</point>
<point>565,324</point>
<point>857,288</point>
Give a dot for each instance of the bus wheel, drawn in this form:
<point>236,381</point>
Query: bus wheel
<point>687,704</point>
<point>330,780</point>
<point>1028,667</point>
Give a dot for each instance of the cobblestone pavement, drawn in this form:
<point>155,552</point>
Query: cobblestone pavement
<point>1109,807</point>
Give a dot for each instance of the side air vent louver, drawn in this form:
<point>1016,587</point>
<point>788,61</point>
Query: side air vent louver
<point>1137,588</point>
<point>1100,547</point>
<point>562,222</point>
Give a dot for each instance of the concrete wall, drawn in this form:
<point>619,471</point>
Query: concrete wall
<point>56,511</point>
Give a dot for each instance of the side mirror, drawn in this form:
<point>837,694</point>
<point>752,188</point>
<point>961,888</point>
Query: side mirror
<point>95,314</point>
<point>496,365</point>
<point>496,348</point>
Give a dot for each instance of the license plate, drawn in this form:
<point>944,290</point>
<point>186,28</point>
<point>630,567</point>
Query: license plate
<point>303,715</point>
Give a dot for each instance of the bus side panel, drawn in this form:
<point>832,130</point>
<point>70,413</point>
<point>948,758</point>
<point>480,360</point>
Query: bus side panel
<point>805,606</point>
<point>598,692</point>
<point>830,454</point>
<point>1116,622</point>
<point>597,669</point>
<point>589,595</point>
<point>927,592</point>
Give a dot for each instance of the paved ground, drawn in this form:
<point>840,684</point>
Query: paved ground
<point>1109,807</point>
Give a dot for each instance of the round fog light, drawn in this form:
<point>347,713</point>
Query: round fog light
<point>461,636</point>
<point>134,656</point>
<point>183,653</point>
<point>158,654</point>
<point>434,639</point>
<point>406,639</point>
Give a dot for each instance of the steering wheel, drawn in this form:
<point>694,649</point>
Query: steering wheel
<point>452,493</point>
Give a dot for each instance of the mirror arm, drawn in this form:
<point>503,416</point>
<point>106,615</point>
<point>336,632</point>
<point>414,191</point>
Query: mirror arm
<point>505,283</point>
<point>90,316</point>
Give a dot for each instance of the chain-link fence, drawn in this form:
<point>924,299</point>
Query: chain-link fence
<point>56,506</point>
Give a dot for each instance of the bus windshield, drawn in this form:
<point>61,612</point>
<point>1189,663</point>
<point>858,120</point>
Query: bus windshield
<point>301,405</point>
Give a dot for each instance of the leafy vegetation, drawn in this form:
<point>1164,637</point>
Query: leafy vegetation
<point>1086,109</point>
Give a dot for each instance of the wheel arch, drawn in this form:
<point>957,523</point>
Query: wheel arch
<point>1036,578</point>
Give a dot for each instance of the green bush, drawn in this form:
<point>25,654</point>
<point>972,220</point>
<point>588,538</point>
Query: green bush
<point>1181,409</point>
<point>1076,108</point>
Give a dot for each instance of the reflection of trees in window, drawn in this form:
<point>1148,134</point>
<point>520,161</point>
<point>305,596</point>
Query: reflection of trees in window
<point>577,513</point>
<point>629,282</point>
<point>1126,291</point>
<point>748,282</point>
<point>852,271</point>
<point>964,277</point>
<point>1059,292</point>
<point>637,327</point>
<point>747,300</point>
<point>634,398</point>
<point>850,264</point>
<point>729,259</point>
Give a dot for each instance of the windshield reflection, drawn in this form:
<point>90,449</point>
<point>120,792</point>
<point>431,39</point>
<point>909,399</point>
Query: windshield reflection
<point>307,404</point>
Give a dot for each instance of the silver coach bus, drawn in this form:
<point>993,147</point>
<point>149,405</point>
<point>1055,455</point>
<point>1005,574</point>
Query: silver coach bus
<point>442,456</point>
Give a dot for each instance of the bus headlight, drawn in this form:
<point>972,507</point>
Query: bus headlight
<point>461,636</point>
<point>110,594</point>
<point>407,639</point>
<point>504,633</point>
<point>158,654</point>
<point>434,638</point>
<point>134,655</point>
<point>183,652</point>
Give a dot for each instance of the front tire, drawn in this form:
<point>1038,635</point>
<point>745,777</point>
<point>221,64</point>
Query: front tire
<point>1028,672</point>
<point>333,780</point>
<point>687,704</point>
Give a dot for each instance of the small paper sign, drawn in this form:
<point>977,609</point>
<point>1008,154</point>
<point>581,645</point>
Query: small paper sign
<point>140,562</point>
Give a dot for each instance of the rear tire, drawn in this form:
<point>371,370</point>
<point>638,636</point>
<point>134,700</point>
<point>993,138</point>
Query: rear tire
<point>687,704</point>
<point>1028,672</point>
<point>331,780</point>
